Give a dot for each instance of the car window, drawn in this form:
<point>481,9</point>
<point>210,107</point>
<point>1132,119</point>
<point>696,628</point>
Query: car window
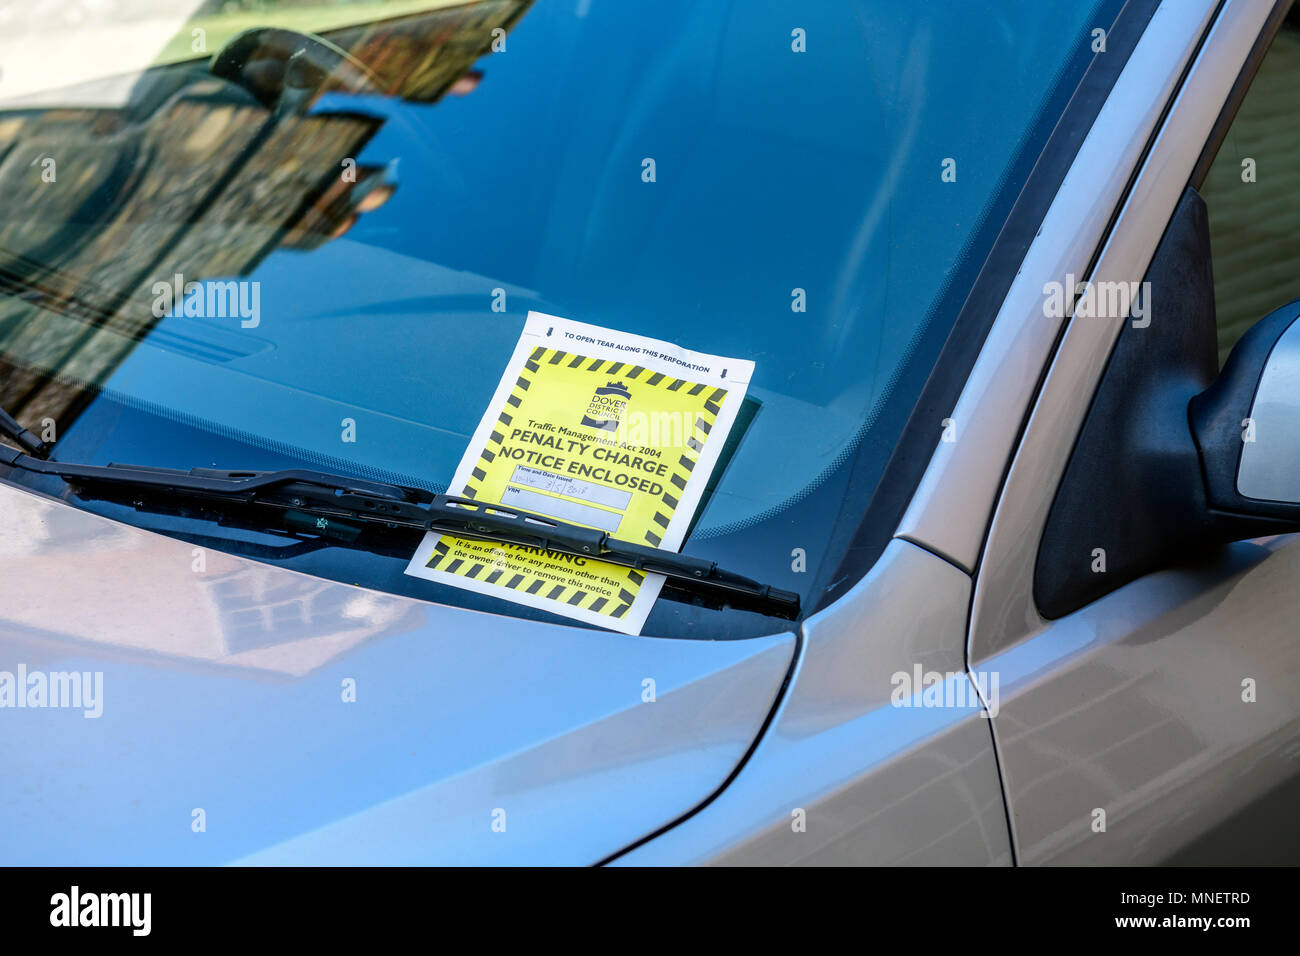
<point>380,192</point>
<point>1252,190</point>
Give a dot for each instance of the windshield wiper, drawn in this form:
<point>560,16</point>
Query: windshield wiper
<point>338,502</point>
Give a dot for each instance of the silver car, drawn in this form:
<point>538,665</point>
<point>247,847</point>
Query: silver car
<point>1011,497</point>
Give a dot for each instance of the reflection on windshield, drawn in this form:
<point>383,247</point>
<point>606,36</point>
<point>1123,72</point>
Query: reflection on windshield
<point>211,164</point>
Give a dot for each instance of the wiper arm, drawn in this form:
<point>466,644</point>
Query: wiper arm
<point>357,500</point>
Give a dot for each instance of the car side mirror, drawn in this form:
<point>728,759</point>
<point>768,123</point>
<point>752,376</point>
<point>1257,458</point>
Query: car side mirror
<point>1247,429</point>
<point>1175,456</point>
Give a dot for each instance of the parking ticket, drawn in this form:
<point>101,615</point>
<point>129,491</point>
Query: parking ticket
<point>599,428</point>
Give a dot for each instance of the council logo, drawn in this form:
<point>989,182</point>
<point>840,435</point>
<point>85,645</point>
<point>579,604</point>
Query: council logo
<point>607,406</point>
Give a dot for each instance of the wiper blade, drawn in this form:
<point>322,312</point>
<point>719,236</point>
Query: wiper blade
<point>337,498</point>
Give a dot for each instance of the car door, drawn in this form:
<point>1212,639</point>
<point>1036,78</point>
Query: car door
<point>1148,688</point>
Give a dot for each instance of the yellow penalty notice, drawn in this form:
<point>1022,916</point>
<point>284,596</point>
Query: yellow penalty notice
<point>595,427</point>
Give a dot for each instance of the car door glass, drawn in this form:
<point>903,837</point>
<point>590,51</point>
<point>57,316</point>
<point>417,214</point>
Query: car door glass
<point>1253,193</point>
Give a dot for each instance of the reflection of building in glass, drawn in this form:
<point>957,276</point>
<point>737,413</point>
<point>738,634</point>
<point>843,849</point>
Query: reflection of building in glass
<point>232,613</point>
<point>199,175</point>
<point>424,58</point>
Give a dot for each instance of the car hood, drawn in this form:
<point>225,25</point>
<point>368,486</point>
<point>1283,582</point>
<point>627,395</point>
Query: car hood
<point>230,711</point>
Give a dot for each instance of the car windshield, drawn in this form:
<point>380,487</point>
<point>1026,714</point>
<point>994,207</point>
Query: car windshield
<point>376,193</point>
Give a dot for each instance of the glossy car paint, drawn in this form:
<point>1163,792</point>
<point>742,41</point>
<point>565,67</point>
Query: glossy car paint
<point>223,691</point>
<point>846,776</point>
<point>1134,705</point>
